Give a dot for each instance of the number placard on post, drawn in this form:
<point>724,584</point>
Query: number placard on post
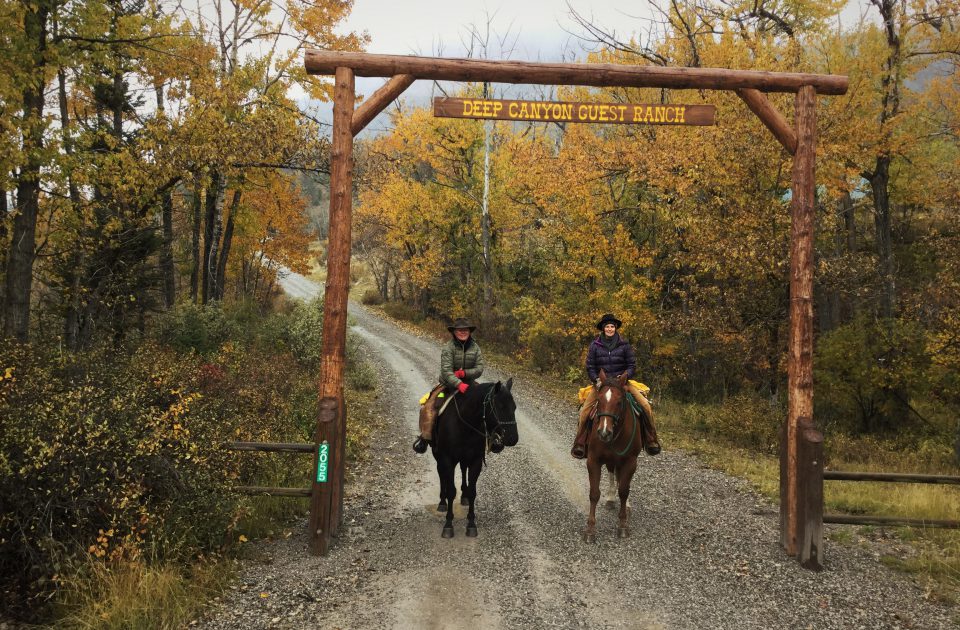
<point>552,111</point>
<point>323,457</point>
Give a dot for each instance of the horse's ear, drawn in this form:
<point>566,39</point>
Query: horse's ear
<point>622,379</point>
<point>603,375</point>
<point>496,388</point>
<point>509,383</point>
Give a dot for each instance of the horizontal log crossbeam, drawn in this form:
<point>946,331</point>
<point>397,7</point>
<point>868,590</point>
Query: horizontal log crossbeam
<point>594,74</point>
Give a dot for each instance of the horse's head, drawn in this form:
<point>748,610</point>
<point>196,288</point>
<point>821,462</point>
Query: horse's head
<point>503,413</point>
<point>611,404</point>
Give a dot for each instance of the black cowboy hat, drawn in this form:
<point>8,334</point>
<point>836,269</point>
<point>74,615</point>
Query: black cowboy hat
<point>608,319</point>
<point>461,322</point>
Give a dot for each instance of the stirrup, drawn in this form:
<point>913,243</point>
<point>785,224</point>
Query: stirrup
<point>420,445</point>
<point>653,449</point>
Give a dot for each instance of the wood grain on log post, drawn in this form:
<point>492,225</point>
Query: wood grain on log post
<point>810,444</point>
<point>379,100</point>
<point>335,294</point>
<point>800,346</point>
<point>318,525</point>
<point>593,74</point>
<point>771,117</point>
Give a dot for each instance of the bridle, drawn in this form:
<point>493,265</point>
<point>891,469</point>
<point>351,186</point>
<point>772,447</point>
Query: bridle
<point>488,404</point>
<point>617,417</point>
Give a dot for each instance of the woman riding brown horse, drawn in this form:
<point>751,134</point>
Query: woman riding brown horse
<point>615,440</point>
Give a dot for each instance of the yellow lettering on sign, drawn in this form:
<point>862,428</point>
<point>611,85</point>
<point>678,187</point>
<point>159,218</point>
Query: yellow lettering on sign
<point>671,110</point>
<point>512,110</point>
<point>467,108</point>
<point>567,111</point>
<point>582,112</point>
<point>682,111</point>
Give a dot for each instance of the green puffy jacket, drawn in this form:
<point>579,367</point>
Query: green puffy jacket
<point>460,356</point>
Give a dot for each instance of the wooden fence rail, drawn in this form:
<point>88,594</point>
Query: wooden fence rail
<point>272,447</point>
<point>863,519</point>
<point>843,475</point>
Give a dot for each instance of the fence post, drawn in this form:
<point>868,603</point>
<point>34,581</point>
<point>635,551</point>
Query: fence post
<point>321,495</point>
<point>810,505</point>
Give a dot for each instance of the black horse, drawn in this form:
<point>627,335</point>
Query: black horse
<point>467,425</point>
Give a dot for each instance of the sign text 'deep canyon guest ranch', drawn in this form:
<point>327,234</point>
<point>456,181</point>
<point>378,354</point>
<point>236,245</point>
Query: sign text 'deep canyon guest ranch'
<point>550,111</point>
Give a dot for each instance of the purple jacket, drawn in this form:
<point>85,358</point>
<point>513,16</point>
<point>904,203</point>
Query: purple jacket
<point>613,362</point>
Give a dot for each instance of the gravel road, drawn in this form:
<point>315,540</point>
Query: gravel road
<point>704,551</point>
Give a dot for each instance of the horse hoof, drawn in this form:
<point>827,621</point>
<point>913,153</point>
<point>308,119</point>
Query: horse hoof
<point>623,532</point>
<point>612,504</point>
<point>447,532</point>
<point>442,506</point>
<point>464,500</point>
<point>589,537</point>
<point>472,531</point>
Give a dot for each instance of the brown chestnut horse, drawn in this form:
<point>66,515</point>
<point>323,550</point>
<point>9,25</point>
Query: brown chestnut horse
<point>615,441</point>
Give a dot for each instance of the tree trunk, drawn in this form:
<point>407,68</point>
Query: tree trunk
<point>167,269</point>
<point>195,243</point>
<point>24,237</point>
<point>225,248</point>
<point>213,193</point>
<point>73,276</point>
<point>879,183</point>
<point>210,270</point>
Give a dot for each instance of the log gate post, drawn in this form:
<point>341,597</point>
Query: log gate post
<point>800,344</point>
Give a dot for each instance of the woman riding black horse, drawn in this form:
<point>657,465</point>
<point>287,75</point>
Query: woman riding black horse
<point>461,364</point>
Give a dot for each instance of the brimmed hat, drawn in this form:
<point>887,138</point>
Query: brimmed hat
<point>608,319</point>
<point>461,322</point>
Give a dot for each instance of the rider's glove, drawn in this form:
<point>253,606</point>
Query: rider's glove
<point>460,374</point>
<point>462,388</point>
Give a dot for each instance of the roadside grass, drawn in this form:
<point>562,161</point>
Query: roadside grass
<point>134,595</point>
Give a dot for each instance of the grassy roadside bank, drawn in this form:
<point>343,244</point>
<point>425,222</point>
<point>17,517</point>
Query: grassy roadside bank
<point>129,443</point>
<point>740,438</point>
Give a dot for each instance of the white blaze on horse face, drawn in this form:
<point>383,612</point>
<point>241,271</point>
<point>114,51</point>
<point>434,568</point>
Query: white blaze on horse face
<point>609,395</point>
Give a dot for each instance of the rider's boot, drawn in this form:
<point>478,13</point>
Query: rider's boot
<point>579,450</point>
<point>428,416</point>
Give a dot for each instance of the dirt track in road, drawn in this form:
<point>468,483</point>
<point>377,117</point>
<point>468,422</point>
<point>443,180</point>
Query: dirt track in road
<point>704,553</point>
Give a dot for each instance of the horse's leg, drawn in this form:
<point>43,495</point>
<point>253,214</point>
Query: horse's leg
<point>612,488</point>
<point>593,468</point>
<point>442,505</point>
<point>463,486</point>
<point>448,490</point>
<point>625,470</point>
<point>470,492</point>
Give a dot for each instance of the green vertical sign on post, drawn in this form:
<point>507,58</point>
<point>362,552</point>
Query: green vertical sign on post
<point>323,456</point>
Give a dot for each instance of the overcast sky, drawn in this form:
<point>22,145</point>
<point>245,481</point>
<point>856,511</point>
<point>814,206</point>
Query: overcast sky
<point>535,30</point>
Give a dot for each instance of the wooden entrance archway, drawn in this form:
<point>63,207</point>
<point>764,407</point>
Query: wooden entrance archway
<point>797,489</point>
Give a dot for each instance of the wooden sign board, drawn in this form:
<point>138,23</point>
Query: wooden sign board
<point>551,111</point>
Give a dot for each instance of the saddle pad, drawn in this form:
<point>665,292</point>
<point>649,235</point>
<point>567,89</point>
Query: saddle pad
<point>585,391</point>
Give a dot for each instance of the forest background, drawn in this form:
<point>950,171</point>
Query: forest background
<point>156,173</point>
